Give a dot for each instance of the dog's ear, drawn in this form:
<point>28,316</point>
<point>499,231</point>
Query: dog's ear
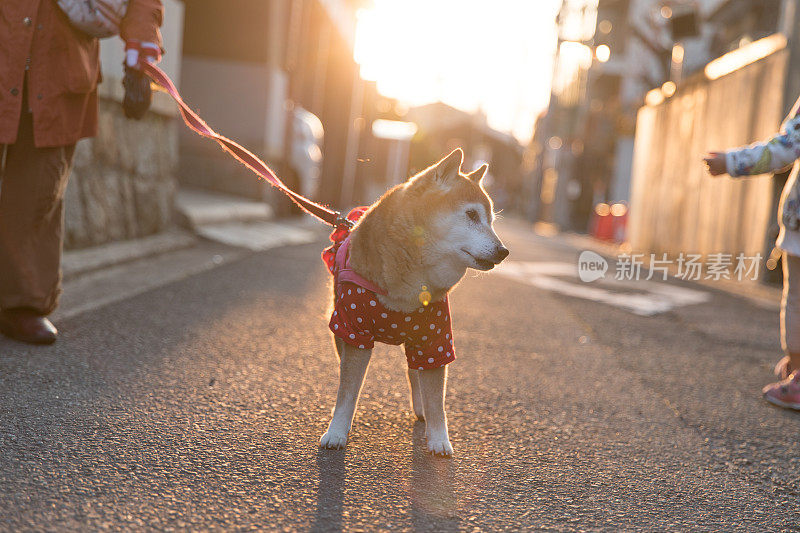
<point>478,174</point>
<point>448,168</point>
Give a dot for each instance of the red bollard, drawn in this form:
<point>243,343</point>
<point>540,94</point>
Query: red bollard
<point>609,222</point>
<point>619,213</point>
<point>602,226</point>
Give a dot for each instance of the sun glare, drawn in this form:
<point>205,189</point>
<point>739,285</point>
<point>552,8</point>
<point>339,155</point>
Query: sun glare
<point>472,54</point>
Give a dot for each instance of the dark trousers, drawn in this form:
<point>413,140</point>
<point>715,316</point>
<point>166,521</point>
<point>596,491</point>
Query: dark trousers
<point>32,184</point>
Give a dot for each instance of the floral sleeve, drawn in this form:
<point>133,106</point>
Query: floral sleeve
<point>770,156</point>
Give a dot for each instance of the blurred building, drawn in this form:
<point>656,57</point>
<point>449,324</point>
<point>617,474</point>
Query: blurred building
<point>263,73</point>
<point>559,132</point>
<point>281,77</point>
<point>382,156</point>
<point>610,54</point>
<point>388,158</point>
<point>739,97</point>
<point>740,22</point>
<point>442,128</point>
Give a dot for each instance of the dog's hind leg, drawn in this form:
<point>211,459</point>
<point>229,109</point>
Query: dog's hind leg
<point>432,387</point>
<point>353,363</point>
<point>416,398</point>
<point>339,344</point>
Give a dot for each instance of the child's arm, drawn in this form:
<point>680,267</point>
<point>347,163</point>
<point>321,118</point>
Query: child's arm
<point>766,157</point>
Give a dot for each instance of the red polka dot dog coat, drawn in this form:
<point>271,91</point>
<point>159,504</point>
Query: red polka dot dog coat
<point>359,318</point>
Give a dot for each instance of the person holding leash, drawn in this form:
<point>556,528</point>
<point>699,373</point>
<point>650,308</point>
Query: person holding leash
<point>49,72</point>
<point>774,154</point>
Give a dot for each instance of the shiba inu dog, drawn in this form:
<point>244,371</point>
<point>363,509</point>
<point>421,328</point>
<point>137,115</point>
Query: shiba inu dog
<point>392,274</point>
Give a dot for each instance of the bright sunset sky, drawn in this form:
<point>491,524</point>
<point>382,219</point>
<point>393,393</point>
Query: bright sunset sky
<point>491,54</point>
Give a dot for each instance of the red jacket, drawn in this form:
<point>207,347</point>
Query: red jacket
<point>63,68</point>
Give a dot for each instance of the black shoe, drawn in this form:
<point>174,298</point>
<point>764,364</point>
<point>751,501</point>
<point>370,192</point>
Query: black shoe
<point>27,326</point>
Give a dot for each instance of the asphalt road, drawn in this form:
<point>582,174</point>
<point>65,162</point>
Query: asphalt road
<point>198,406</point>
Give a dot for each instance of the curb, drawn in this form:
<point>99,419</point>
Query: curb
<point>196,208</point>
<point>78,262</point>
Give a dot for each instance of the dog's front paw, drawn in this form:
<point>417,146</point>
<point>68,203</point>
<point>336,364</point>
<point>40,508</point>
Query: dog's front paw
<point>440,446</point>
<point>333,440</point>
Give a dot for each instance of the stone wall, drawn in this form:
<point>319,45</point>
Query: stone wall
<point>123,181</point>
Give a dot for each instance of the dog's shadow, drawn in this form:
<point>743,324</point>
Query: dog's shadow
<point>434,505</point>
<point>330,492</point>
<point>431,488</point>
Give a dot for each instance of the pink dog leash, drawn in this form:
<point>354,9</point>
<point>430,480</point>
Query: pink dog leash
<point>247,158</point>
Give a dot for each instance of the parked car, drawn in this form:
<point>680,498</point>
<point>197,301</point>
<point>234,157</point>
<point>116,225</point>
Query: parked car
<point>306,151</point>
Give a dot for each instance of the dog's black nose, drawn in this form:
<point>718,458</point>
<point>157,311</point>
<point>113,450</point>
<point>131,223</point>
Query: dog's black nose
<point>500,254</point>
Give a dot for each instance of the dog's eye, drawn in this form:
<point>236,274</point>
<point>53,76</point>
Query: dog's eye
<point>473,215</point>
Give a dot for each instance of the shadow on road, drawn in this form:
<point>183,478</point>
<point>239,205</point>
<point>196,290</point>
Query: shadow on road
<point>434,505</point>
<point>330,492</point>
<point>433,500</point>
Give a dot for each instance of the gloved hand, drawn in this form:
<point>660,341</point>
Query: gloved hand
<point>138,51</point>
<point>138,95</point>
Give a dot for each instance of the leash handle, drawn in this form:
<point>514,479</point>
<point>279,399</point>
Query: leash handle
<point>243,155</point>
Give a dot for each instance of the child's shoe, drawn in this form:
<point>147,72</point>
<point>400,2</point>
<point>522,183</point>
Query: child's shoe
<point>785,393</point>
<point>784,368</point>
